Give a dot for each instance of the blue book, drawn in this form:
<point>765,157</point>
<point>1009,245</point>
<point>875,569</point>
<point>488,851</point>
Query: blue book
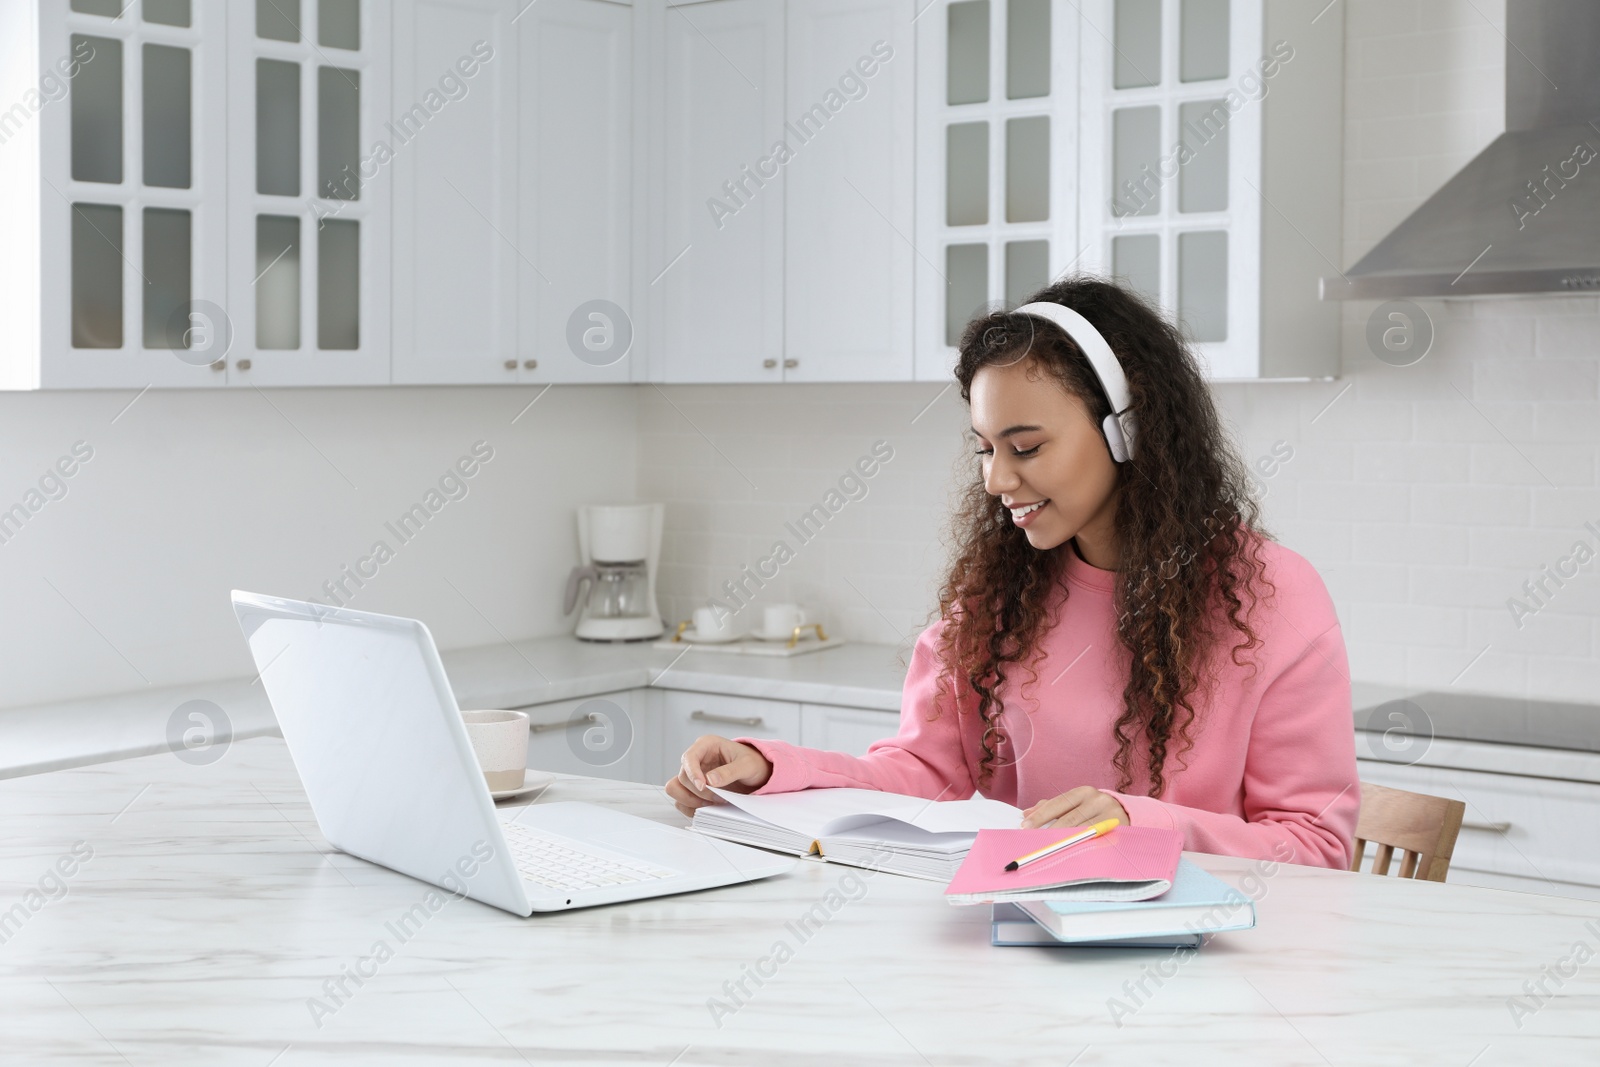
<point>1013,926</point>
<point>1198,903</point>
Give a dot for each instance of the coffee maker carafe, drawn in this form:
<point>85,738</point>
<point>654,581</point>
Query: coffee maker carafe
<point>620,549</point>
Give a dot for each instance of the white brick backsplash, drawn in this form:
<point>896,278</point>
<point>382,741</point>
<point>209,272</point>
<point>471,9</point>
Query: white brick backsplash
<point>1549,633</point>
<point>1394,542</point>
<point>1398,174</point>
<point>1462,587</point>
<point>1381,461</point>
<point>1564,678</point>
<point>1391,19</point>
<point>1493,671</point>
<point>1532,465</point>
<point>1576,423</point>
<point>1553,380</point>
<point>1452,419</point>
<point>1567,508</point>
<point>1524,549</point>
<point>1466,504</point>
<point>1317,541</point>
<point>1376,583</point>
<point>1351,418</point>
<point>1569,336</point>
<point>1355,500</point>
<point>1372,658</point>
<point>1411,624</point>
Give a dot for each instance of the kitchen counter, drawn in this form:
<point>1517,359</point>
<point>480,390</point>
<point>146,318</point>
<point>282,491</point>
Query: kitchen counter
<point>1493,733</point>
<point>213,924</point>
<point>545,670</point>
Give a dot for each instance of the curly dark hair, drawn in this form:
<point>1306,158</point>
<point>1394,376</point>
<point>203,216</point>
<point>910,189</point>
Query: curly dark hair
<point>1186,525</point>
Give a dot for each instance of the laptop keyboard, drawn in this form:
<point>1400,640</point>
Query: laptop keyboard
<point>560,862</point>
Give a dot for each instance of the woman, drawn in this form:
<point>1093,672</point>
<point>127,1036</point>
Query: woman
<point>1117,638</point>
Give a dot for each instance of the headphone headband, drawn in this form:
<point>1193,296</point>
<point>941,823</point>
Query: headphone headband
<point>1118,426</point>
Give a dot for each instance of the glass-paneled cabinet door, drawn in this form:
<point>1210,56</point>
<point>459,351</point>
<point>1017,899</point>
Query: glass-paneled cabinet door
<point>310,144</point>
<point>132,194</point>
<point>1173,94</point>
<point>997,139</point>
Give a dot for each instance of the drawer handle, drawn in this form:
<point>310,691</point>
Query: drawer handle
<point>1497,827</point>
<point>562,724</point>
<point>731,720</point>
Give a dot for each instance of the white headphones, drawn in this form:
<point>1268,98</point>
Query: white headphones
<point>1118,426</point>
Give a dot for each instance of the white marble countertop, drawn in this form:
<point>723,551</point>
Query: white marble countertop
<point>211,921</point>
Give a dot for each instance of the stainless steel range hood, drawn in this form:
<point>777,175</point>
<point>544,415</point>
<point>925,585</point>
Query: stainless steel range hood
<point>1524,215</point>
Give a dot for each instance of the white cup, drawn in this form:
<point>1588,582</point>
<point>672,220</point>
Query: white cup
<point>713,625</point>
<point>500,741</point>
<point>779,620</point>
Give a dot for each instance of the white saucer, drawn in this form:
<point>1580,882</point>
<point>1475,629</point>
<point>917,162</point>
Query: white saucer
<point>532,780</point>
<point>694,638</point>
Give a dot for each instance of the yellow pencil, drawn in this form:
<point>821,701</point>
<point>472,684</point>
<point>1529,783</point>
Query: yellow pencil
<point>1104,826</point>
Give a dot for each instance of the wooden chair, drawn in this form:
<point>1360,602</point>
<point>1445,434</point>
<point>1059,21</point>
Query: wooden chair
<point>1422,827</point>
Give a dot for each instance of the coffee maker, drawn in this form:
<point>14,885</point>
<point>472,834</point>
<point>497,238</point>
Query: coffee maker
<point>620,549</point>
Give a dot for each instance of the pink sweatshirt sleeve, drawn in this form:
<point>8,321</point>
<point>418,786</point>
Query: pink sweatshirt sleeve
<point>925,759</point>
<point>1301,792</point>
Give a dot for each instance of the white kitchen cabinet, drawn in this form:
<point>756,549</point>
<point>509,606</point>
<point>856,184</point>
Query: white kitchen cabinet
<point>607,736</point>
<point>575,143</point>
<point>454,135</point>
<point>684,716</point>
<point>712,271</point>
<point>308,192</point>
<point>849,190</point>
<point>112,164</point>
<point>1209,177</point>
<point>781,191</point>
<point>997,143</point>
<point>845,729</point>
<point>513,212</point>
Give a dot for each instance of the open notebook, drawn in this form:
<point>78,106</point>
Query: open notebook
<point>861,827</point>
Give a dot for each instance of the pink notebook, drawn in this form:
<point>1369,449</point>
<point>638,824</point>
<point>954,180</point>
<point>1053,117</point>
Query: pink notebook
<point>1129,863</point>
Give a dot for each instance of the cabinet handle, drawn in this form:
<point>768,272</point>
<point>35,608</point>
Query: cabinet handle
<point>731,720</point>
<point>530,364</point>
<point>1497,827</point>
<point>791,363</point>
<point>243,364</point>
<point>561,724</point>
<point>769,363</point>
<point>511,364</point>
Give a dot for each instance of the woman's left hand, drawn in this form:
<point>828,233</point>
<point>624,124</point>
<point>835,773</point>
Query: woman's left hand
<point>1083,806</point>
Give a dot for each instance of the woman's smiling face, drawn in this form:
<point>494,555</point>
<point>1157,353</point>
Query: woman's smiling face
<point>1044,457</point>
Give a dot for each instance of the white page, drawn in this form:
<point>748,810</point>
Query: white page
<point>820,812</point>
<point>892,834</point>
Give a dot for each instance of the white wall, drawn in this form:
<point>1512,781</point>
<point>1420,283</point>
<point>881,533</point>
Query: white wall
<point>1425,508</point>
<point>125,579</point>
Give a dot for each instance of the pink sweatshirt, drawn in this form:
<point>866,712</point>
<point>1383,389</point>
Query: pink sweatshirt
<point>1271,774</point>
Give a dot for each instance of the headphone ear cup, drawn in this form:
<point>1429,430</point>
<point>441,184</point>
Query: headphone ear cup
<point>1114,439</point>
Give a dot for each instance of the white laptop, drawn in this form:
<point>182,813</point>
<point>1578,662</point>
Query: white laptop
<point>373,728</point>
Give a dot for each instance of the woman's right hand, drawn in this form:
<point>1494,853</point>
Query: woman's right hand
<point>716,761</point>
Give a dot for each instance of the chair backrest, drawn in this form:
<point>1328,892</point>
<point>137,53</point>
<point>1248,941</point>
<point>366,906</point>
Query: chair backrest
<point>1422,827</point>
